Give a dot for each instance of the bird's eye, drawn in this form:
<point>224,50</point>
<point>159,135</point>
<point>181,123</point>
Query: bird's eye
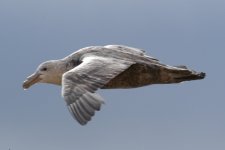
<point>44,69</point>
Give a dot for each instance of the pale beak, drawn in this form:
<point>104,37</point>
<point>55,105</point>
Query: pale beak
<point>32,79</point>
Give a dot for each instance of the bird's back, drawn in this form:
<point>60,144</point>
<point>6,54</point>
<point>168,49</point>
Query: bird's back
<point>145,70</point>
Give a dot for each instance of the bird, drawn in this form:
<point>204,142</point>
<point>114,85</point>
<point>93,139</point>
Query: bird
<point>91,68</point>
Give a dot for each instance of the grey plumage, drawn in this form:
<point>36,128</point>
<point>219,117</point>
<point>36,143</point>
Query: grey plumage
<point>79,84</point>
<point>83,72</point>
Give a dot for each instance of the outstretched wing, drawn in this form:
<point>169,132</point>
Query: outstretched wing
<point>126,49</point>
<point>131,50</point>
<point>79,84</point>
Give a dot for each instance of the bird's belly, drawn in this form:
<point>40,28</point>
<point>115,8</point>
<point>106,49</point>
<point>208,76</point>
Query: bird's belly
<point>136,75</point>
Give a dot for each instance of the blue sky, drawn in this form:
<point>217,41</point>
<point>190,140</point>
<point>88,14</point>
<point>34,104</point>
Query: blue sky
<point>187,116</point>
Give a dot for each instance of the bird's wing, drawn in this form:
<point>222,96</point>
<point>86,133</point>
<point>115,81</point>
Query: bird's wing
<point>79,84</point>
<point>131,50</point>
<point>126,49</point>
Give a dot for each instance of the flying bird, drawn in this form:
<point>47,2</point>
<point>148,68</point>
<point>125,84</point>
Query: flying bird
<point>85,71</point>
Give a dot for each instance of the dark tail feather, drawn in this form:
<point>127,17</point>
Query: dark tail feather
<point>183,74</point>
<point>191,76</point>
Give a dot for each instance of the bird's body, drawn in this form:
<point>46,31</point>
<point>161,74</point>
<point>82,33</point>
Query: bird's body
<point>106,67</point>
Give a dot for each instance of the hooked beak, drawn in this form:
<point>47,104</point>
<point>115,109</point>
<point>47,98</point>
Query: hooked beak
<point>32,79</point>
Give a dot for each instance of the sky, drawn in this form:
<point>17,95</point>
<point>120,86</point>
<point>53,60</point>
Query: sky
<point>187,116</point>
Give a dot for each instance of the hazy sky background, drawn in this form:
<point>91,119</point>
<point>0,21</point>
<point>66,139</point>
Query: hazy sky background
<point>188,116</point>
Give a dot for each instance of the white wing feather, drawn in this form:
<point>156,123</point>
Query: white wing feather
<point>79,84</point>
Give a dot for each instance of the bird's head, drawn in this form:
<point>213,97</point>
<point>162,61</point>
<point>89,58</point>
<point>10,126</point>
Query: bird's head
<point>47,72</point>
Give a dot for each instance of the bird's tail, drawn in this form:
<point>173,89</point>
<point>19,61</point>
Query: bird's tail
<point>182,73</point>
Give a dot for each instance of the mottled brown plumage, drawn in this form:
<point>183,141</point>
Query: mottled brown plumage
<point>83,72</point>
<point>138,75</point>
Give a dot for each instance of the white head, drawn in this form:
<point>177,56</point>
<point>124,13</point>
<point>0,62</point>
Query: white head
<point>47,72</point>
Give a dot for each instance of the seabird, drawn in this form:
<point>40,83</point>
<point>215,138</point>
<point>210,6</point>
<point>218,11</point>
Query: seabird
<point>85,71</point>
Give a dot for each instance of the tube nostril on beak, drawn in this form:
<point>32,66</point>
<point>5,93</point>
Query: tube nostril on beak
<point>34,78</point>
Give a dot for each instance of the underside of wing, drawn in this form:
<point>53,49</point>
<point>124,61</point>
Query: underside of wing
<point>79,85</point>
